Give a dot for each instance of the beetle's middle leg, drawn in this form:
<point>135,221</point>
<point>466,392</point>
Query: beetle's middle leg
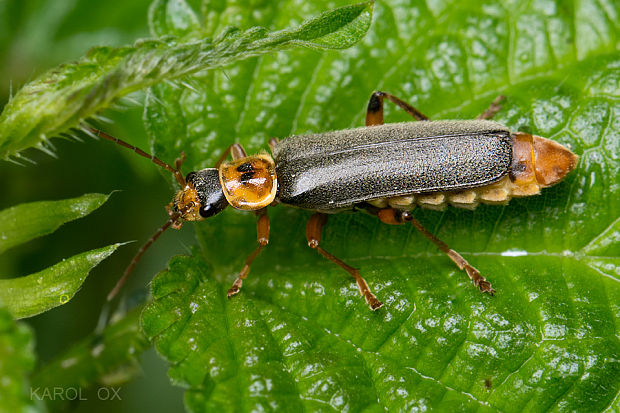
<point>395,216</point>
<point>493,108</point>
<point>262,236</point>
<point>314,229</point>
<point>374,112</point>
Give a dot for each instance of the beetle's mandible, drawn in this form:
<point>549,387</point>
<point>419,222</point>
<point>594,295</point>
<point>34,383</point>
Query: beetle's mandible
<point>382,169</point>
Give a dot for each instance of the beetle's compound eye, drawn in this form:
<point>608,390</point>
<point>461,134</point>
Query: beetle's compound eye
<point>209,210</point>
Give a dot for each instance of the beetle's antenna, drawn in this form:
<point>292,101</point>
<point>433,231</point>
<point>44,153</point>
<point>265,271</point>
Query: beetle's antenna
<point>174,218</point>
<point>175,171</point>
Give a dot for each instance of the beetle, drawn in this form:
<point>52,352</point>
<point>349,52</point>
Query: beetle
<point>383,169</point>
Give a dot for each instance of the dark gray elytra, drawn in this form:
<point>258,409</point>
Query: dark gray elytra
<point>335,170</point>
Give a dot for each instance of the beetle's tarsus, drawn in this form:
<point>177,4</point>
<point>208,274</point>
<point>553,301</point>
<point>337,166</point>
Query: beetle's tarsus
<point>485,287</point>
<point>236,287</point>
<point>365,292</point>
<point>478,280</point>
<point>373,303</point>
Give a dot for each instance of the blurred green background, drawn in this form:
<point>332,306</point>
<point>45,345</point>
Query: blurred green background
<point>36,35</point>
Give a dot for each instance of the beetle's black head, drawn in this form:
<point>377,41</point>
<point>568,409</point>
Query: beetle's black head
<point>202,196</point>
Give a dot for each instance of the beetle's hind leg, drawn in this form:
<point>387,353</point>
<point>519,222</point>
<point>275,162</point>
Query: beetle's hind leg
<point>374,112</point>
<point>395,216</point>
<point>314,229</point>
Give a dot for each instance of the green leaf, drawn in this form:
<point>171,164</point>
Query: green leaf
<point>298,336</point>
<point>35,293</point>
<point>108,359</point>
<point>22,223</point>
<point>65,96</point>
<point>18,360</point>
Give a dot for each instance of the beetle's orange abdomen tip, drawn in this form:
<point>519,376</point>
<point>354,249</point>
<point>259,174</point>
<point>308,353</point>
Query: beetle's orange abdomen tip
<point>553,161</point>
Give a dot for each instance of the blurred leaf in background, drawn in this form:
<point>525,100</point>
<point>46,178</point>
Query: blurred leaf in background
<point>36,293</point>
<point>108,358</point>
<point>38,34</point>
<point>35,35</point>
<point>17,360</point>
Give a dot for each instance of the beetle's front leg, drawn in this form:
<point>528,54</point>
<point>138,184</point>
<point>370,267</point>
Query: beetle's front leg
<point>235,150</point>
<point>262,236</point>
<point>395,216</point>
<point>314,229</point>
